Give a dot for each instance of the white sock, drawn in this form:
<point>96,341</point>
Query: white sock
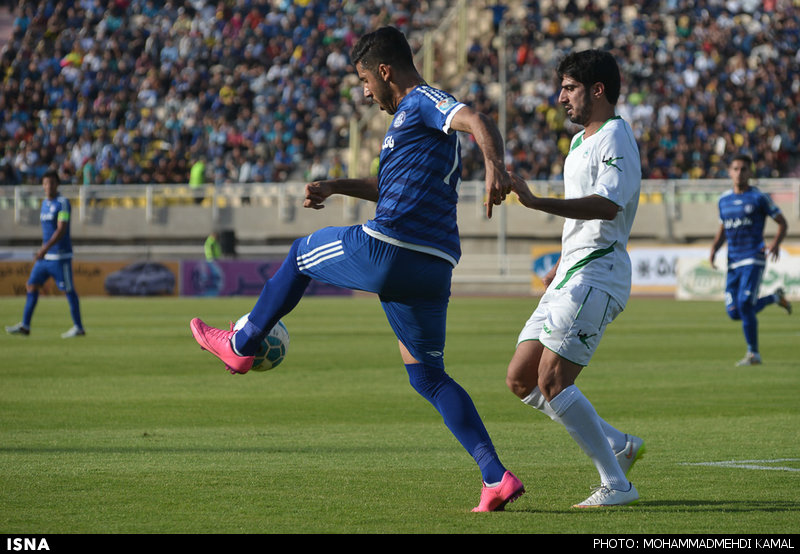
<point>578,416</point>
<point>616,438</point>
<point>233,347</point>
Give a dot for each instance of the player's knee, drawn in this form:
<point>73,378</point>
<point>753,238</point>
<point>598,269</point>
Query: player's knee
<point>746,308</point>
<point>548,388</point>
<point>520,387</point>
<point>522,372</point>
<point>426,379</point>
<point>733,313</point>
<point>293,249</point>
<point>552,383</point>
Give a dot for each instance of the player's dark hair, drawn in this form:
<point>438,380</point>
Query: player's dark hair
<point>52,174</point>
<point>387,45</point>
<point>593,66</point>
<point>748,161</point>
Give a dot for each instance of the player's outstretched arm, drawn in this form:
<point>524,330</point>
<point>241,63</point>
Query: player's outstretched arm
<point>588,207</point>
<point>488,138</point>
<point>317,192</point>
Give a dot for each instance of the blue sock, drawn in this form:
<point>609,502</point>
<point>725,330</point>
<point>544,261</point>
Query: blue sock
<point>280,295</point>
<point>74,308</point>
<point>750,327</point>
<point>30,303</point>
<point>765,301</point>
<point>460,416</point>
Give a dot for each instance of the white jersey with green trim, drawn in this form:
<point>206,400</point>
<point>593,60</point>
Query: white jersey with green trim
<point>594,252</point>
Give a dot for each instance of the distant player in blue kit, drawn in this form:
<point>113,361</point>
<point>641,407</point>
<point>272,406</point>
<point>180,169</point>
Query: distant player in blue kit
<point>406,253</point>
<point>53,259</point>
<point>743,212</point>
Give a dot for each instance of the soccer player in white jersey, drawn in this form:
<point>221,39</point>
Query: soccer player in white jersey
<point>743,212</point>
<point>591,283</point>
<point>406,253</point>
<point>53,259</point>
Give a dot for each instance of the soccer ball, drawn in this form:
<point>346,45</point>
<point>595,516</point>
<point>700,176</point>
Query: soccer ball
<point>273,348</point>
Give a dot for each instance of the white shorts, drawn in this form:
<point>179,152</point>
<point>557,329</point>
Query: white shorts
<point>570,321</point>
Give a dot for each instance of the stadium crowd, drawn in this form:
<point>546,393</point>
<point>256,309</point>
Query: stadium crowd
<point>702,81</point>
<point>139,91</point>
<point>142,91</point>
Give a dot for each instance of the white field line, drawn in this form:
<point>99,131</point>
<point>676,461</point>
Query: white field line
<point>752,464</point>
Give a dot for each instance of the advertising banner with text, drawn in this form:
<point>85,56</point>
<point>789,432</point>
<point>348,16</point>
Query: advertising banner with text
<point>98,278</point>
<point>655,269</point>
<point>237,278</point>
<point>697,280</point>
<point>185,278</point>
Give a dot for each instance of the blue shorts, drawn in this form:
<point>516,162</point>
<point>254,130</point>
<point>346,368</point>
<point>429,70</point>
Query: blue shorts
<point>742,285</point>
<point>59,270</point>
<point>414,287</point>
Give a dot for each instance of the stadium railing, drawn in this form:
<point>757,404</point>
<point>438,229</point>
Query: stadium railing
<point>673,201</point>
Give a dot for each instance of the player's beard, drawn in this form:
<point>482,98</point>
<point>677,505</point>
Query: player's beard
<point>581,114</point>
<point>384,98</point>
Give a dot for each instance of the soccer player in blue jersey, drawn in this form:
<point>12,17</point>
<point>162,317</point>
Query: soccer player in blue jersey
<point>53,259</point>
<point>743,212</point>
<point>406,253</point>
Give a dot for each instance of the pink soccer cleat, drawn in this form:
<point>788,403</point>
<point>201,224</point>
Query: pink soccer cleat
<point>494,499</point>
<point>218,342</point>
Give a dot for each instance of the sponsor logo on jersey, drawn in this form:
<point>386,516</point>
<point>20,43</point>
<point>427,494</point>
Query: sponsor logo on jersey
<point>388,142</point>
<point>736,222</point>
<point>445,104</point>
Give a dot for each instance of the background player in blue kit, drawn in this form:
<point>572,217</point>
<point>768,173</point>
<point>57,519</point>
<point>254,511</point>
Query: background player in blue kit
<point>53,259</point>
<point>406,253</point>
<point>743,212</point>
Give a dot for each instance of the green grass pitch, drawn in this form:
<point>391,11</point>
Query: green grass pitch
<point>133,429</point>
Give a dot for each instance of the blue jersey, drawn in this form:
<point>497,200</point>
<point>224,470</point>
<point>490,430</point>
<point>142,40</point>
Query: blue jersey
<point>744,216</point>
<point>52,212</point>
<point>419,176</point>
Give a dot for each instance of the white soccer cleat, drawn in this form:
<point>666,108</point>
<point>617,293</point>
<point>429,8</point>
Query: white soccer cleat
<point>18,329</point>
<point>605,497</point>
<point>634,449</point>
<point>751,358</point>
<point>73,332</point>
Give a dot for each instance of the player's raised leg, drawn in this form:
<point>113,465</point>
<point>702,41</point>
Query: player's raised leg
<point>280,294</point>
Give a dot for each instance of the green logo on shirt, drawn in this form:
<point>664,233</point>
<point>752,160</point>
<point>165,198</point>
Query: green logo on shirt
<point>610,162</point>
<point>584,337</point>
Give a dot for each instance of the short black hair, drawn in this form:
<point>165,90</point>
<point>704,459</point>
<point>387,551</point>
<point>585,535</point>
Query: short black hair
<point>593,66</point>
<point>743,158</point>
<point>387,45</point>
<point>52,174</point>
